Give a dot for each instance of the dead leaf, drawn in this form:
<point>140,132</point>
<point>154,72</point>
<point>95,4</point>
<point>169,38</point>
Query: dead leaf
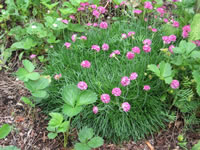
<point>149,145</point>
<point>19,119</point>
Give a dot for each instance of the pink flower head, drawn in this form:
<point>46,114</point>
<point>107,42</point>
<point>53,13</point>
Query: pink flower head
<point>130,55</point>
<point>85,64</point>
<point>116,91</point>
<point>89,24</point>
<point>126,106</point>
<point>96,48</point>
<point>112,55</point>
<point>72,17</point>
<point>186,28</point>
<point>74,37</point>
<point>174,84</point>
<point>185,34</point>
<point>65,21</point>
<point>32,56</point>
<point>57,76</point>
<point>101,9</point>
<point>82,85</point>
<point>103,25</point>
<point>96,13</point>
<point>84,4</point>
<point>93,6</point>
<point>171,48</point>
<point>116,6</point>
<point>83,37</point>
<point>175,24</point>
<point>160,10</point>
<point>125,81</point>
<point>136,50</point>
<point>131,33</point>
<point>124,36</point>
<point>148,5</point>
<point>122,3</point>
<point>147,42</point>
<point>146,87</point>
<point>80,9</point>
<point>165,20</point>
<point>172,38</point>
<point>146,48</point>
<point>95,24</point>
<point>133,76</point>
<point>154,30</point>
<point>105,47</point>
<point>166,40</point>
<point>67,44</point>
<point>137,11</point>
<point>95,109</point>
<point>105,98</point>
<point>117,52</point>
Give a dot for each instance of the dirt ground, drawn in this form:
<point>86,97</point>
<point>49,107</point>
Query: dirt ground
<point>29,131</point>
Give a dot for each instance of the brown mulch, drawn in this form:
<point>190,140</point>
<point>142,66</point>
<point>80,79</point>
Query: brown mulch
<point>29,129</point>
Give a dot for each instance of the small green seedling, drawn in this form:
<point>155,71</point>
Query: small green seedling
<point>5,130</point>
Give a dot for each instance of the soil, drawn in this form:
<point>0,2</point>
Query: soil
<point>29,129</point>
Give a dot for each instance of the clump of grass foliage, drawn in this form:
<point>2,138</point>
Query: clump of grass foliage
<point>148,112</point>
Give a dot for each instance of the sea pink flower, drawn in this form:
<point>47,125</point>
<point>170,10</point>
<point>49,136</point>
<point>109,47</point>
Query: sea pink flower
<point>137,11</point>
<point>175,24</point>
<point>160,10</point>
<point>82,85</point>
<point>185,34</point>
<point>146,87</point>
<point>65,21</point>
<point>166,40</point>
<point>93,6</point>
<point>125,81</point>
<point>130,55</point>
<point>126,106</point>
<point>116,6</point>
<point>136,50</point>
<point>74,37</point>
<point>148,5</point>
<point>154,30</point>
<point>147,42</point>
<point>72,17</point>
<point>84,4</point>
<point>172,38</point>
<point>96,13</point>
<point>105,98</point>
<point>116,91</point>
<point>67,44</point>
<point>105,47</point>
<point>117,52</point>
<point>174,84</point>
<point>146,48</point>
<point>103,25</point>
<point>124,36</point>
<point>171,48</point>
<point>85,64</point>
<point>131,33</point>
<point>57,76</point>
<point>96,48</point>
<point>165,20</point>
<point>112,55</point>
<point>32,56</point>
<point>95,109</point>
<point>122,3</point>
<point>186,28</point>
<point>80,9</point>
<point>101,9</point>
<point>133,76</point>
<point>89,24</point>
<point>95,24</point>
<point>83,37</point>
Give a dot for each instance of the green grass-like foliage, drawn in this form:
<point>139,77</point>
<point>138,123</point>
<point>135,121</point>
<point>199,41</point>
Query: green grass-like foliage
<point>147,113</point>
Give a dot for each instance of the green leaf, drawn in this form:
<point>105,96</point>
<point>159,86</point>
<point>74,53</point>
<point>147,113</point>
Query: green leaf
<point>4,130</point>
<point>33,76</point>
<point>154,69</point>
<point>76,27</point>
<point>22,74</point>
<point>39,84</point>
<point>168,80</point>
<point>85,134</point>
<point>52,135</point>
<point>86,97</point>
<point>71,111</point>
<point>195,26</point>
<point>196,76</point>
<point>9,148</point>
<point>195,54</point>
<point>56,120</point>
<point>28,65</point>
<point>40,94</point>
<point>196,146</point>
<point>81,146</point>
<point>27,101</point>
<point>67,11</point>
<point>117,1</point>
<point>50,6</point>
<point>63,127</point>
<point>178,50</point>
<point>70,94</point>
<point>165,69</point>
<point>96,142</point>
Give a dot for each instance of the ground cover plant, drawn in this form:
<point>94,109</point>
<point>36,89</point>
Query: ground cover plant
<point>121,77</point>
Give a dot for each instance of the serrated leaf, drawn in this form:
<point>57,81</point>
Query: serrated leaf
<point>56,120</point>
<point>96,142</point>
<point>28,65</point>
<point>86,97</point>
<point>40,94</point>
<point>168,80</point>
<point>71,111</point>
<point>196,146</point>
<point>165,69</point>
<point>22,74</point>
<point>195,26</point>
<point>34,76</point>
<point>85,134</point>
<point>27,101</point>
<point>154,69</point>
<point>9,148</point>
<point>4,130</point>
<point>81,146</point>
<point>52,135</point>
<point>67,11</point>
<point>39,84</point>
<point>178,50</point>
<point>70,94</point>
<point>195,54</point>
<point>196,76</point>
<point>63,127</point>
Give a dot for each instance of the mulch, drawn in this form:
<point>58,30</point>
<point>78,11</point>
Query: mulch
<point>29,129</point>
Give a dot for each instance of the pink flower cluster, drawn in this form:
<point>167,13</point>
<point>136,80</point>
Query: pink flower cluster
<point>82,85</point>
<point>67,44</point>
<point>137,11</point>
<point>57,76</point>
<point>197,42</point>
<point>148,5</point>
<point>136,50</point>
<point>114,53</point>
<point>169,39</point>
<point>147,45</point>
<point>171,48</point>
<point>96,48</point>
<point>105,98</point>
<point>97,11</point>
<point>130,34</point>
<point>85,64</point>
<point>175,24</point>
<point>174,84</point>
<point>126,106</point>
<point>103,25</point>
<point>186,29</point>
<point>116,91</point>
